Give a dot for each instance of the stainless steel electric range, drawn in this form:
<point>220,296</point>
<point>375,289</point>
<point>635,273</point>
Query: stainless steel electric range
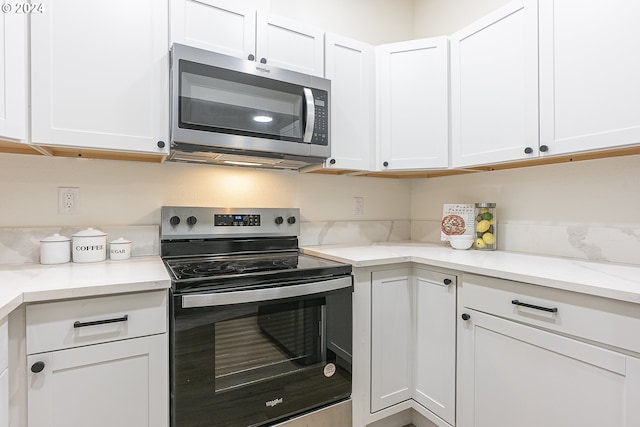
<point>259,332</point>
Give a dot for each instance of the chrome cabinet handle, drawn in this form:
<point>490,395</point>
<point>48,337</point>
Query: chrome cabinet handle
<point>536,307</point>
<point>78,324</point>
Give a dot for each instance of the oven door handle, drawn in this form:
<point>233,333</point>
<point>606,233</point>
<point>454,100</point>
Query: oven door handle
<point>265,294</point>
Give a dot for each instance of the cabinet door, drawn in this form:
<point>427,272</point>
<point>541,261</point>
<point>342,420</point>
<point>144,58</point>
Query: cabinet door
<point>122,383</point>
<point>99,75</point>
<point>216,25</point>
<point>589,68</point>
<point>391,335</point>
<point>4,398</point>
<point>413,104</point>
<point>434,361</point>
<point>494,87</point>
<point>13,89</point>
<point>511,374</point>
<point>288,44</point>
<point>350,67</point>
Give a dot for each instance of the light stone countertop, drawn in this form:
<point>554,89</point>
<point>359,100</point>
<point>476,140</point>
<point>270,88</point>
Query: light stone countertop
<point>616,281</point>
<point>21,283</point>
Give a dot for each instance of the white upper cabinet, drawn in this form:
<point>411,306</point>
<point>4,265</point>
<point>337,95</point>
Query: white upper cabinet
<point>288,44</point>
<point>589,68</point>
<point>99,75</point>
<point>350,66</point>
<point>13,77</point>
<point>225,27</point>
<point>217,25</point>
<point>494,87</point>
<point>413,102</point>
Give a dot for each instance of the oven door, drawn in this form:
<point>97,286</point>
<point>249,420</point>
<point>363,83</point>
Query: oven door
<point>252,358</point>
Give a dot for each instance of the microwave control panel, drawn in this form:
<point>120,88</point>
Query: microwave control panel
<point>321,127</point>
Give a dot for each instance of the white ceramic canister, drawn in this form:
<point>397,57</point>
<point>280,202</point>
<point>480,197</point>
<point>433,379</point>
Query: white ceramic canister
<point>89,245</point>
<point>55,249</point>
<point>120,249</point>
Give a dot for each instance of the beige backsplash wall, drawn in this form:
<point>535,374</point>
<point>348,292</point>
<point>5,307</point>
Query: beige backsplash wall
<point>588,209</point>
<point>131,193</point>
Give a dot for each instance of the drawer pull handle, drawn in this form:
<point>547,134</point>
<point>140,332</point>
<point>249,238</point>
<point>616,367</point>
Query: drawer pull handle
<point>78,324</point>
<point>537,307</point>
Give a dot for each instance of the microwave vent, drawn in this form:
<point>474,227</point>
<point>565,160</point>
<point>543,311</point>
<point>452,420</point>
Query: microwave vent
<point>205,157</point>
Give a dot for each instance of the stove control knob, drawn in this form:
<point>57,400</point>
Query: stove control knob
<point>174,220</point>
<point>291,220</point>
<point>192,220</point>
<point>279,220</point>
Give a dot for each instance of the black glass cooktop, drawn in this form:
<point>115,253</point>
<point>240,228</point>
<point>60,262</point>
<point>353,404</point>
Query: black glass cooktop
<point>223,272</point>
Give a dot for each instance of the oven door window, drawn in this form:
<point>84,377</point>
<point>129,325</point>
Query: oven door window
<point>221,100</point>
<point>250,364</point>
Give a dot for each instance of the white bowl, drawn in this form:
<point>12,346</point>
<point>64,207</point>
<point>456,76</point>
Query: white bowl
<point>461,241</point>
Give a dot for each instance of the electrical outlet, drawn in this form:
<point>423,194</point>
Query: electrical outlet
<point>358,206</point>
<point>68,200</point>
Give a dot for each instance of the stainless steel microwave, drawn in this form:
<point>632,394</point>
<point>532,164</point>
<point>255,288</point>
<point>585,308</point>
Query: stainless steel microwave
<point>227,110</point>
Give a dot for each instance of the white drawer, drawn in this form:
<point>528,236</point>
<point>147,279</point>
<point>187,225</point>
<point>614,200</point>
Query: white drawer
<point>589,317</point>
<point>78,322</point>
<point>4,344</point>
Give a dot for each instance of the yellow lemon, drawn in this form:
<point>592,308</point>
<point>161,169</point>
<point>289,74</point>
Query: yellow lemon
<point>488,238</point>
<point>483,226</point>
<point>480,244</point>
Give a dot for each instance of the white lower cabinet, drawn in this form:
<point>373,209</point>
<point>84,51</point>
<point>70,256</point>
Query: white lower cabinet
<point>4,373</point>
<point>4,398</point>
<point>391,334</point>
<point>514,374</point>
<point>413,342</point>
<point>81,376</point>
<point>434,336</point>
<point>120,383</point>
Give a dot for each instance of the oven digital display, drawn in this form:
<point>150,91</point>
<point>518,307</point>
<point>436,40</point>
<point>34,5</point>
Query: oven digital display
<point>236,220</point>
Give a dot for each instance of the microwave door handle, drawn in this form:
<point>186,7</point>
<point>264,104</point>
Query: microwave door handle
<point>311,115</point>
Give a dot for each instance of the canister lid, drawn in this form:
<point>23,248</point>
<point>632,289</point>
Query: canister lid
<point>485,205</point>
<point>55,238</point>
<point>90,232</point>
<point>119,241</point>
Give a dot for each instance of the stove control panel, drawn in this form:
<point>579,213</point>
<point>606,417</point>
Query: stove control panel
<point>236,220</point>
<point>182,222</point>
